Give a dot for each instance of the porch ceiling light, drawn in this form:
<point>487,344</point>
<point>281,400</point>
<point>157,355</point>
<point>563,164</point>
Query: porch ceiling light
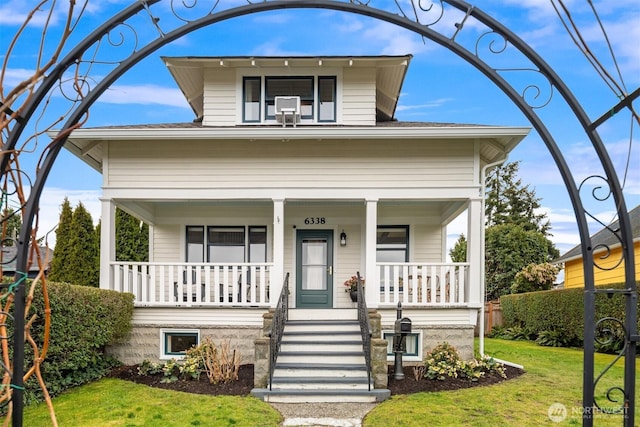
<point>343,238</point>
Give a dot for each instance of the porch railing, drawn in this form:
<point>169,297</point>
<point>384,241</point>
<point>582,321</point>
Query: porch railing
<point>365,326</point>
<point>189,284</point>
<point>434,284</point>
<point>280,317</point>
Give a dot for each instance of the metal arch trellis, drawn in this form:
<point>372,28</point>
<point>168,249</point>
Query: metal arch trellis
<point>414,15</point>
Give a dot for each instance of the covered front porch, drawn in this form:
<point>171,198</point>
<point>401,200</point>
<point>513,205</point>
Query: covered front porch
<point>244,249</point>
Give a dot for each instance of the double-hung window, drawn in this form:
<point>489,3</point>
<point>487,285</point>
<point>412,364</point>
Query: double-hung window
<point>317,97</point>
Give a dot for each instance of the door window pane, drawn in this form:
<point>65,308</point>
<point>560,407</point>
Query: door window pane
<point>314,264</point>
<point>195,244</point>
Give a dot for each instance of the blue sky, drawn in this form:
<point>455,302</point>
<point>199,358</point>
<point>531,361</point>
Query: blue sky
<point>439,86</point>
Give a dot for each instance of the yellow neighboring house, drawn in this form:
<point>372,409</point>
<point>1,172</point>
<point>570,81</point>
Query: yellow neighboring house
<point>611,268</point>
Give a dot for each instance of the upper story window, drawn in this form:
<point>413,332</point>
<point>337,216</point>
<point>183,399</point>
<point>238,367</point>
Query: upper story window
<point>317,97</point>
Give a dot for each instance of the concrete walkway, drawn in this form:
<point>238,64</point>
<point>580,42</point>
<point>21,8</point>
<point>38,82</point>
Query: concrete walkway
<point>323,414</point>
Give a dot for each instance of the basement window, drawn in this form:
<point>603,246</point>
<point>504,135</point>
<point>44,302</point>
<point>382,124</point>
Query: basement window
<point>176,342</point>
<point>414,346</point>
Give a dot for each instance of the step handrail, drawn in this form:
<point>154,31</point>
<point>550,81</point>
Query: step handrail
<point>280,317</point>
<point>365,326</point>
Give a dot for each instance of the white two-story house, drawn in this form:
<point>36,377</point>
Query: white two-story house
<point>293,165</point>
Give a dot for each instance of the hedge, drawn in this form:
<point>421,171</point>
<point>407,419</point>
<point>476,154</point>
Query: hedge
<point>559,310</point>
<point>83,321</point>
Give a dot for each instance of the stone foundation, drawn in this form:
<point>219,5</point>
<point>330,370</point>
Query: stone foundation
<point>461,337</point>
<point>144,341</point>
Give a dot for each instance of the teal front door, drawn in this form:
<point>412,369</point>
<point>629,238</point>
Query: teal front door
<point>314,268</point>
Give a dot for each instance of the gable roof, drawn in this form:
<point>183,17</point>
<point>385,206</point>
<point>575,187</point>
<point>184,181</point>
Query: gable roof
<point>604,237</point>
<point>188,72</point>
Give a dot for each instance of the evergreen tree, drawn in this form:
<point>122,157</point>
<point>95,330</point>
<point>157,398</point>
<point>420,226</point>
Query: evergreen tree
<point>459,251</point>
<point>132,238</point>
<point>508,201</point>
<point>84,254</point>
<point>59,271</point>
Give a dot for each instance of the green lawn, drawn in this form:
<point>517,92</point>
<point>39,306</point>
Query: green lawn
<point>110,402</point>
<point>553,375</point>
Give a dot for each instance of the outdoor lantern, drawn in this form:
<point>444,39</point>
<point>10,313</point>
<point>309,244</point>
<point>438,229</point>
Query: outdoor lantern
<point>343,238</point>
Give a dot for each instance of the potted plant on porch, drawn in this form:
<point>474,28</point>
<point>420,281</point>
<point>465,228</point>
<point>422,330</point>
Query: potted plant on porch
<point>351,285</point>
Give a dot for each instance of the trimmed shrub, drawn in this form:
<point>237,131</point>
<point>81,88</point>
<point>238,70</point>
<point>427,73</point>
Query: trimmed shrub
<point>444,361</point>
<point>83,321</point>
<point>558,315</point>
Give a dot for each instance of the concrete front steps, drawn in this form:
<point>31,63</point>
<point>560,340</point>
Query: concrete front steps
<point>321,360</point>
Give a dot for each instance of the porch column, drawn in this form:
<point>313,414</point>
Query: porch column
<point>475,252</point>
<point>277,273</point>
<point>372,281</point>
<point>107,242</point>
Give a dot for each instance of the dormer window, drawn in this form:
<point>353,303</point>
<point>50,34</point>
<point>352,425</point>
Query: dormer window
<point>317,97</point>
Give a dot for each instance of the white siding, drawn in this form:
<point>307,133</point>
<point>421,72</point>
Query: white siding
<point>219,98</point>
<point>359,97</point>
<point>292,164</point>
<point>168,245</point>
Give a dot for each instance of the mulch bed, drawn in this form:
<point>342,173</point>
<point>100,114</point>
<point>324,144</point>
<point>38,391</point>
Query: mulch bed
<point>410,385</point>
<point>243,386</point>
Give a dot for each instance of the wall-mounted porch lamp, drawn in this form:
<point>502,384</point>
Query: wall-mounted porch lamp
<point>343,238</point>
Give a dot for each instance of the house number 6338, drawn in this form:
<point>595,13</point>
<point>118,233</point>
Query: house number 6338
<point>316,220</point>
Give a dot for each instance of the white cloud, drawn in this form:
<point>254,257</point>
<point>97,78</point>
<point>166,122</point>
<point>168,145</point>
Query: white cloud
<point>144,94</point>
<point>433,104</point>
<point>395,40</point>
<point>16,12</point>
<point>14,76</point>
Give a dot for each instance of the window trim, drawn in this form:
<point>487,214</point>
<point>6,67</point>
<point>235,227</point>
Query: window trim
<point>266,100</point>
<point>407,247</point>
<point>244,102</point>
<point>246,246</point>
<point>208,242</point>
<point>186,240</point>
<point>335,98</point>
<point>407,357</point>
<point>164,341</point>
<point>329,73</point>
<point>248,242</point>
